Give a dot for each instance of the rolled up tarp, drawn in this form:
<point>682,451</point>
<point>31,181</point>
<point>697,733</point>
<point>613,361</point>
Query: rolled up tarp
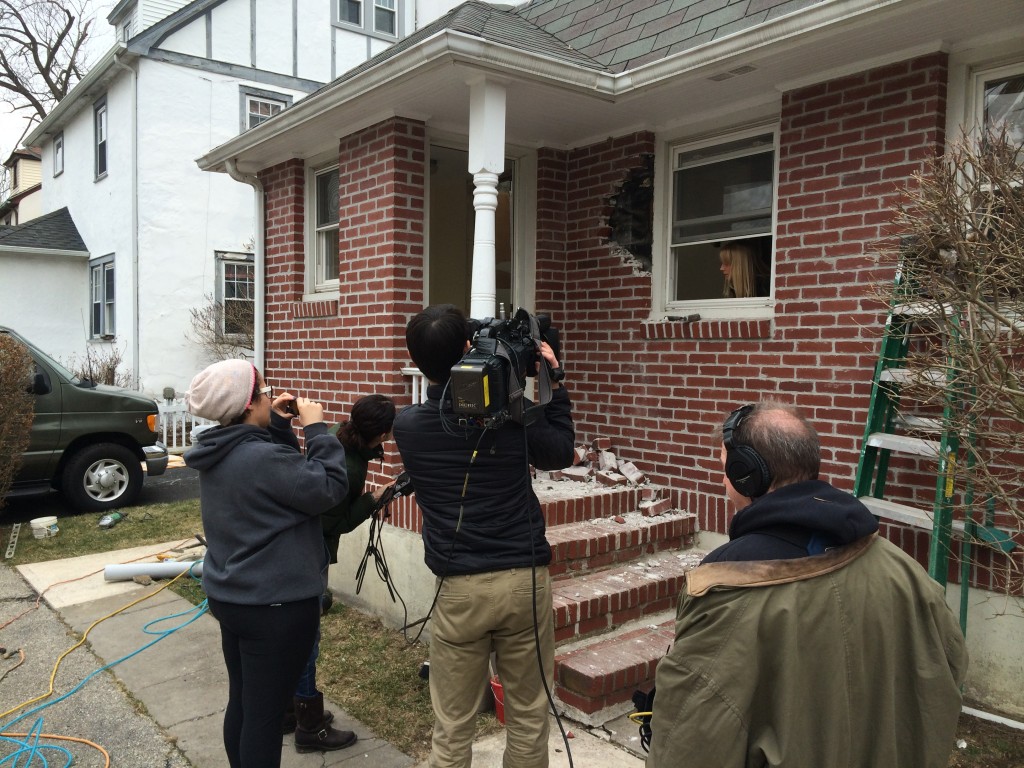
<point>163,570</point>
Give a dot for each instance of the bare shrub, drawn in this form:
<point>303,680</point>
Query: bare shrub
<point>16,369</point>
<point>102,365</point>
<point>961,253</point>
<point>223,329</point>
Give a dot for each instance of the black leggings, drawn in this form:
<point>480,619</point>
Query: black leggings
<point>265,649</point>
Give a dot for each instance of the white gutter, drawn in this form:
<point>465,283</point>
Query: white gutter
<point>136,323</point>
<point>259,258</point>
<point>18,249</point>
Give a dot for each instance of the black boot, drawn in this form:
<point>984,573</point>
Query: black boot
<point>288,724</point>
<point>313,731</point>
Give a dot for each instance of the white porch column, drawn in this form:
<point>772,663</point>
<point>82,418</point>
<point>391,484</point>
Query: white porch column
<point>486,162</point>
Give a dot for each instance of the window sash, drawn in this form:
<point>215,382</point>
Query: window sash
<point>1003,106</point>
<point>101,139</point>
<point>102,296</point>
<point>260,110</point>
<point>350,12</point>
<point>385,17</point>
<point>58,155</point>
<point>237,291</point>
<point>326,191</point>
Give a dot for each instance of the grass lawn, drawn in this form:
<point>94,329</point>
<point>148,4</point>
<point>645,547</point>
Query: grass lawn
<point>369,669</point>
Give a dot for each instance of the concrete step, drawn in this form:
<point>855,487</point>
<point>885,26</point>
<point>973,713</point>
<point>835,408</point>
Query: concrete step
<point>595,680</point>
<point>584,547</point>
<point>598,602</point>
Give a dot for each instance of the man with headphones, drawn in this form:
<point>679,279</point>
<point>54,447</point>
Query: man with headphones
<point>806,639</point>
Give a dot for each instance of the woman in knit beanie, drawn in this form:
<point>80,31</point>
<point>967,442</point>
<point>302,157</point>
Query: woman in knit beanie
<point>266,564</point>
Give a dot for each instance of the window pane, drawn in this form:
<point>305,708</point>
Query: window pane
<point>327,198</point>
<point>261,110</point>
<point>384,16</point>
<point>1004,107</point>
<point>723,199</point>
<point>327,255</point>
<point>350,11</point>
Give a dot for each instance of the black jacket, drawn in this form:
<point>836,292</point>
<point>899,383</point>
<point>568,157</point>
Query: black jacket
<point>795,521</point>
<point>474,486</point>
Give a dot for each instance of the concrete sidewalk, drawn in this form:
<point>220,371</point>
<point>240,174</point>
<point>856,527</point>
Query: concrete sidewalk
<point>167,660</point>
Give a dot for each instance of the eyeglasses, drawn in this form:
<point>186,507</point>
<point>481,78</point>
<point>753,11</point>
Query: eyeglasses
<point>269,391</point>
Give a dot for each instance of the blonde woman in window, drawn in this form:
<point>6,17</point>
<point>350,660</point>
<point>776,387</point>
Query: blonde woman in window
<point>742,270</point>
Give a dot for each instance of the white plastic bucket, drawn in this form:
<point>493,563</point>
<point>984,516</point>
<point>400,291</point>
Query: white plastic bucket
<point>44,527</point>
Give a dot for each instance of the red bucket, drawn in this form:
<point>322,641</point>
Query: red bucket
<point>499,699</point>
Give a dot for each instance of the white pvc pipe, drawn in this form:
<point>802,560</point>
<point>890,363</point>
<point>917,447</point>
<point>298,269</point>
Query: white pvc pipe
<point>993,718</point>
<point>165,570</point>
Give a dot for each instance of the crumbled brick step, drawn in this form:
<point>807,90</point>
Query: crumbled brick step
<point>634,475</point>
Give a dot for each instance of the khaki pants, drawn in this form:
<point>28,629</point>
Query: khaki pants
<point>477,614</point>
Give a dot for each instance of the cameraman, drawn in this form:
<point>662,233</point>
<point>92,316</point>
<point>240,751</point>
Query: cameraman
<point>483,536</point>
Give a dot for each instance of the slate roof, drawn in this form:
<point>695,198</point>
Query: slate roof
<point>53,232</point>
<point>623,34</point>
<point>608,35</point>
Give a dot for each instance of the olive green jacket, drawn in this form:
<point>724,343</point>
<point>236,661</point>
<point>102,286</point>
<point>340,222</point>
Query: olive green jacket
<point>356,507</point>
<point>849,658</point>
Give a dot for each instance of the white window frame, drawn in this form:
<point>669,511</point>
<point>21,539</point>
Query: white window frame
<point>981,78</point>
<point>223,259</point>
<point>102,294</point>
<point>368,11</point>
<point>386,7</point>
<point>664,274</point>
<point>340,4</point>
<point>58,154</point>
<point>101,133</point>
<point>316,282</point>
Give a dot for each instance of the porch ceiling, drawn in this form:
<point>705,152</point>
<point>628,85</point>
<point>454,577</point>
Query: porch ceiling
<point>557,105</point>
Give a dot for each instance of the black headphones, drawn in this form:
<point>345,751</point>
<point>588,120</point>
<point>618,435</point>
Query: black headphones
<point>744,467</point>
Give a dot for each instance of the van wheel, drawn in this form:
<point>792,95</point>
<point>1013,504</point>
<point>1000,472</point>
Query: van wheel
<point>101,477</point>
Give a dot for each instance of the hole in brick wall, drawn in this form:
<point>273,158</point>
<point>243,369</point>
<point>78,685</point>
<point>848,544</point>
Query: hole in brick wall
<point>632,215</point>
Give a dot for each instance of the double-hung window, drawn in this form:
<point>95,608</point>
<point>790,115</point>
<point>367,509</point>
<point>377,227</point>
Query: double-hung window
<point>350,12</point>
<point>721,218</point>
<point>1001,102</point>
<point>100,137</point>
<point>325,234</point>
<point>58,154</point>
<point>236,277</point>
<point>101,290</point>
<point>385,19</point>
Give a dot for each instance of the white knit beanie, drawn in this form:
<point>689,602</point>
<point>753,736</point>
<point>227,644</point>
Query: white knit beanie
<point>221,392</point>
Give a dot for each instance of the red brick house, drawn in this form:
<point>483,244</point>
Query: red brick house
<point>588,160</point>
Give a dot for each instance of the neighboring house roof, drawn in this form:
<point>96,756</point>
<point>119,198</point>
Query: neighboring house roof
<point>53,232</point>
<point>28,153</point>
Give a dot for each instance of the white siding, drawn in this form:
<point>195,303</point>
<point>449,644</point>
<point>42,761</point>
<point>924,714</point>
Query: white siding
<point>45,300</point>
<point>29,174</point>
<point>274,35</point>
<point>351,49</point>
<point>230,34</point>
<point>153,11</point>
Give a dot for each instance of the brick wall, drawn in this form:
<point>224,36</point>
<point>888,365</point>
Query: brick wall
<point>658,390</point>
<point>353,343</point>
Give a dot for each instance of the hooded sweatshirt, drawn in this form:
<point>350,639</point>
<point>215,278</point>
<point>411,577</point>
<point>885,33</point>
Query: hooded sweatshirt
<point>795,520</point>
<point>261,504</point>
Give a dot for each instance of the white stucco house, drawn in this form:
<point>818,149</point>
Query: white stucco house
<point>119,153</point>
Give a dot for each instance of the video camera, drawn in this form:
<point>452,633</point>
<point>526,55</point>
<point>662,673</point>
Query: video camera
<point>487,383</point>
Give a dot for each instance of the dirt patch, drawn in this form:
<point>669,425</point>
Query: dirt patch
<point>984,744</point>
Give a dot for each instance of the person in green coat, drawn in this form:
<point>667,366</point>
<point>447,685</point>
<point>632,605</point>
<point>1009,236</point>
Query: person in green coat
<point>363,437</point>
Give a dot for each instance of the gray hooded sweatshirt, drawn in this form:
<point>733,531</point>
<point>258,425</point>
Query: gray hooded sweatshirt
<point>261,504</point>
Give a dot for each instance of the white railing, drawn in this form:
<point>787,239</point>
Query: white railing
<point>176,424</point>
<point>418,385</point>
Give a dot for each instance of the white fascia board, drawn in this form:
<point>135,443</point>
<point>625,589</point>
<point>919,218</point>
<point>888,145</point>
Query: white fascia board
<point>84,93</point>
<point>445,47</point>
<point>19,250</point>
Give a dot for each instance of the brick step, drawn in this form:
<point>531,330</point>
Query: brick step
<point>564,502</point>
<point>598,602</point>
<point>583,547</point>
<point>595,680</point>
